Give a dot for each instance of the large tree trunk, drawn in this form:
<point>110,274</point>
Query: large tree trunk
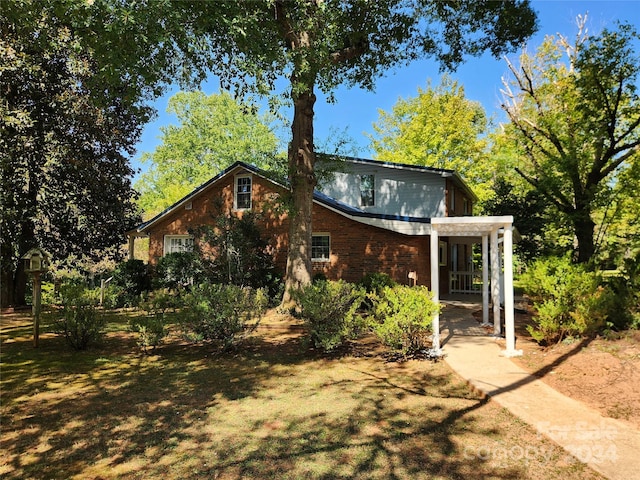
<point>584,228</point>
<point>303,182</point>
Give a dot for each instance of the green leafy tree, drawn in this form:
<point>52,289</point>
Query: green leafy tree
<point>214,131</point>
<point>315,45</point>
<point>578,120</point>
<point>65,136</point>
<point>438,128</point>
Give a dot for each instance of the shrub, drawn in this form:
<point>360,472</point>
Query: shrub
<point>329,311</point>
<point>133,279</point>
<point>81,323</point>
<point>569,300</point>
<point>374,283</point>
<point>403,317</point>
<point>234,251</point>
<point>223,314</point>
<point>152,328</point>
<point>178,270</point>
<point>624,310</point>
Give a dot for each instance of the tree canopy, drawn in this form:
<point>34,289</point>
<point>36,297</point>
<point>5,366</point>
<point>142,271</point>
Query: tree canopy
<point>213,132</point>
<point>438,128</point>
<point>577,119</point>
<point>64,144</point>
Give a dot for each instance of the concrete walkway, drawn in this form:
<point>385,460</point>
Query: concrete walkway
<point>610,447</point>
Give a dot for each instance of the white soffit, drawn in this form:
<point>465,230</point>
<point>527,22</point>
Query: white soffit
<point>469,226</point>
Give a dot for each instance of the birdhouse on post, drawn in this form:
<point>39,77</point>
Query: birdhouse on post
<point>36,262</point>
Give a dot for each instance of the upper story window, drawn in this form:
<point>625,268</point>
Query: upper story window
<point>242,193</point>
<point>452,201</point>
<point>465,206</point>
<point>178,244</point>
<point>320,247</point>
<point>367,190</point>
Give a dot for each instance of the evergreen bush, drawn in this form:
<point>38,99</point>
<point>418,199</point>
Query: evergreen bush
<point>402,318</point>
<point>569,300</point>
<point>222,314</point>
<point>329,311</point>
<point>81,324</point>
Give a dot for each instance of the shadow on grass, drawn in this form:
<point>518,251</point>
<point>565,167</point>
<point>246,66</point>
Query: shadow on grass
<point>270,410</point>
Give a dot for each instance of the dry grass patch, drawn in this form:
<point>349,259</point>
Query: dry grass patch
<point>272,410</point>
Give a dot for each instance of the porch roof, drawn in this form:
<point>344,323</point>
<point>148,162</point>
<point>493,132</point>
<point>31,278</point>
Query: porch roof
<point>473,226</point>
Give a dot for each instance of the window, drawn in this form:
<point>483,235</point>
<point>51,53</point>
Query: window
<point>442,253</point>
<point>452,200</point>
<point>465,206</point>
<point>178,243</point>
<point>367,186</point>
<point>242,197</point>
<point>320,247</point>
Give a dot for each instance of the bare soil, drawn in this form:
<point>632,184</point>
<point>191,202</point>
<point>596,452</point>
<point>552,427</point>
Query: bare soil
<point>603,373</point>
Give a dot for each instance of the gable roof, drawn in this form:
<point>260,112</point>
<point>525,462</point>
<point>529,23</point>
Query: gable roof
<point>403,224</point>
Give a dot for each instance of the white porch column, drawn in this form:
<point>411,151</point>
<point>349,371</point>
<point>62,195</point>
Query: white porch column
<point>132,240</point>
<point>495,280</point>
<point>509,324</point>
<point>485,280</point>
<point>435,288</point>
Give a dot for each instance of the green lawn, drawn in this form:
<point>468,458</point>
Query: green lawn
<point>274,409</point>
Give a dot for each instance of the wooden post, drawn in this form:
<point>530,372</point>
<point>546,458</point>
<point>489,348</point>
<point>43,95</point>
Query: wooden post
<point>36,307</point>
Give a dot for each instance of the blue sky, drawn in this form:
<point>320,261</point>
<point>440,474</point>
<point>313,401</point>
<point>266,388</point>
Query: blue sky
<point>355,110</point>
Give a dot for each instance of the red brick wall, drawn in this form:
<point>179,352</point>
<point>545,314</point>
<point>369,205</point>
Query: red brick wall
<point>356,249</point>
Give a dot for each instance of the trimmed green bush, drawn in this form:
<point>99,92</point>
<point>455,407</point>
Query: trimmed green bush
<point>222,314</point>
<point>152,328</point>
<point>329,311</point>
<point>569,300</point>
<point>81,324</point>
<point>402,318</point>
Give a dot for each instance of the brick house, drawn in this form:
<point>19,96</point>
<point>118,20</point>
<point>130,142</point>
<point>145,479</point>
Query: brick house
<point>371,216</point>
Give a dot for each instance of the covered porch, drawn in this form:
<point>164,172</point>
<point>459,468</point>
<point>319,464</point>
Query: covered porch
<point>490,231</point>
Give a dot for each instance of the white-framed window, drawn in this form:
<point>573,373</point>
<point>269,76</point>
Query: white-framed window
<point>178,243</point>
<point>320,247</point>
<point>242,192</point>
<point>367,190</point>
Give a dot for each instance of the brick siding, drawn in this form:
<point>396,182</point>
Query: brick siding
<point>356,248</point>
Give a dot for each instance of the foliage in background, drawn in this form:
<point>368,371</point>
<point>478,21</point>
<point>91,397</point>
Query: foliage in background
<point>402,318</point>
<point>213,132</point>
<point>438,128</point>
<point>81,323</point>
<point>577,119</point>
<point>222,314</point>
<point>66,132</point>
<point>328,309</point>
<point>532,216</point>
<point>569,300</point>
<point>625,309</point>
